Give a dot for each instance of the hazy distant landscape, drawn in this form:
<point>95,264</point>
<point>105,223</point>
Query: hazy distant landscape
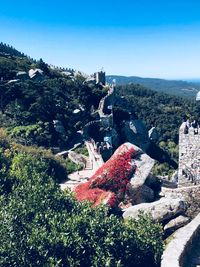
<point>174,87</point>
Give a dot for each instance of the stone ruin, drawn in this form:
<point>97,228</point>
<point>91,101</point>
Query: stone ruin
<point>189,155</point>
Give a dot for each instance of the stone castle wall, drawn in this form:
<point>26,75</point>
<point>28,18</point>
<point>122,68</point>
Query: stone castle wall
<point>189,156</point>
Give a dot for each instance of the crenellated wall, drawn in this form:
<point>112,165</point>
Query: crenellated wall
<point>189,156</point>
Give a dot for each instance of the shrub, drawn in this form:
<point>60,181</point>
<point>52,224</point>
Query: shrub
<point>42,226</point>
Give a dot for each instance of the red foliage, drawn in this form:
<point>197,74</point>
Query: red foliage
<point>110,181</point>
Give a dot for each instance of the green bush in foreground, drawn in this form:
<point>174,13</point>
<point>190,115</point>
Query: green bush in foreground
<point>42,226</point>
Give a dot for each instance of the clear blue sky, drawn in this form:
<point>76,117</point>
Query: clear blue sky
<point>148,38</point>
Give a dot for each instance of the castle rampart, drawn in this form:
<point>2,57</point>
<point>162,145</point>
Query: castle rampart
<point>189,155</point>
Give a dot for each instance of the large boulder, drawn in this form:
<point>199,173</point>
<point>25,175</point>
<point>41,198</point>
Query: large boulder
<point>176,223</point>
<point>138,192</point>
<point>123,175</point>
<point>36,74</point>
<point>135,132</point>
<point>161,210</point>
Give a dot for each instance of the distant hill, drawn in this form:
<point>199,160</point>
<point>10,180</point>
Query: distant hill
<point>178,88</point>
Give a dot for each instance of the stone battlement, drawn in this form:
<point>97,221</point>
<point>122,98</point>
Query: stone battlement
<point>189,155</point>
<point>191,131</point>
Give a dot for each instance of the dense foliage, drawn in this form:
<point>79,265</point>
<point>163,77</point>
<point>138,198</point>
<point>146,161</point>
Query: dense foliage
<point>164,112</point>
<point>30,108</point>
<point>42,226</point>
<point>57,167</point>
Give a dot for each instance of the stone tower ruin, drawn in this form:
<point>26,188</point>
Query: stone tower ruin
<point>189,155</point>
<point>100,77</point>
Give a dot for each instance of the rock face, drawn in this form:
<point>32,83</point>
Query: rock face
<point>137,192</point>
<point>153,134</point>
<point>135,132</point>
<point>161,210</point>
<point>176,223</point>
<point>36,74</point>
<point>121,179</point>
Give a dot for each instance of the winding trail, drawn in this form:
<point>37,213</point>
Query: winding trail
<point>95,162</point>
<point>95,158</point>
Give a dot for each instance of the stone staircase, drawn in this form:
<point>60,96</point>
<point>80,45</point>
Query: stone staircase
<point>191,176</point>
<point>88,165</point>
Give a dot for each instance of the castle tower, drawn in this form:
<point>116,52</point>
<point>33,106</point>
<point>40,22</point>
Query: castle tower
<point>100,77</point>
<point>189,155</point>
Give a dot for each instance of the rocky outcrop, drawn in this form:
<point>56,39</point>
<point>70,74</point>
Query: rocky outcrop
<point>36,74</point>
<point>137,191</point>
<point>135,132</point>
<point>190,194</point>
<point>153,134</point>
<point>124,175</point>
<point>161,210</point>
<point>176,223</point>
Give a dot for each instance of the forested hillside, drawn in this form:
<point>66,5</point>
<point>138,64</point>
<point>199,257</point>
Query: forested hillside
<point>172,87</point>
<point>31,108</point>
<point>162,111</point>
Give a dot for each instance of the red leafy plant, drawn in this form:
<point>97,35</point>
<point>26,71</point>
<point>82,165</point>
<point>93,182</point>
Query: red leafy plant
<point>108,185</point>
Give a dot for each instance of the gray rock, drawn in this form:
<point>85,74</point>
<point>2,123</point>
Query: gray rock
<point>36,74</point>
<point>161,210</point>
<point>137,192</point>
<point>176,223</point>
<point>174,178</point>
<point>144,166</point>
<point>59,127</point>
<point>135,132</point>
<point>153,134</point>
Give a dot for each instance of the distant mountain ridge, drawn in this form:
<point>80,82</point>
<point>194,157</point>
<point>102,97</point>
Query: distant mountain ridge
<point>173,87</point>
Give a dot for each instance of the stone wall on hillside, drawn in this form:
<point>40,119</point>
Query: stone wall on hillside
<point>190,194</point>
<point>189,155</point>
